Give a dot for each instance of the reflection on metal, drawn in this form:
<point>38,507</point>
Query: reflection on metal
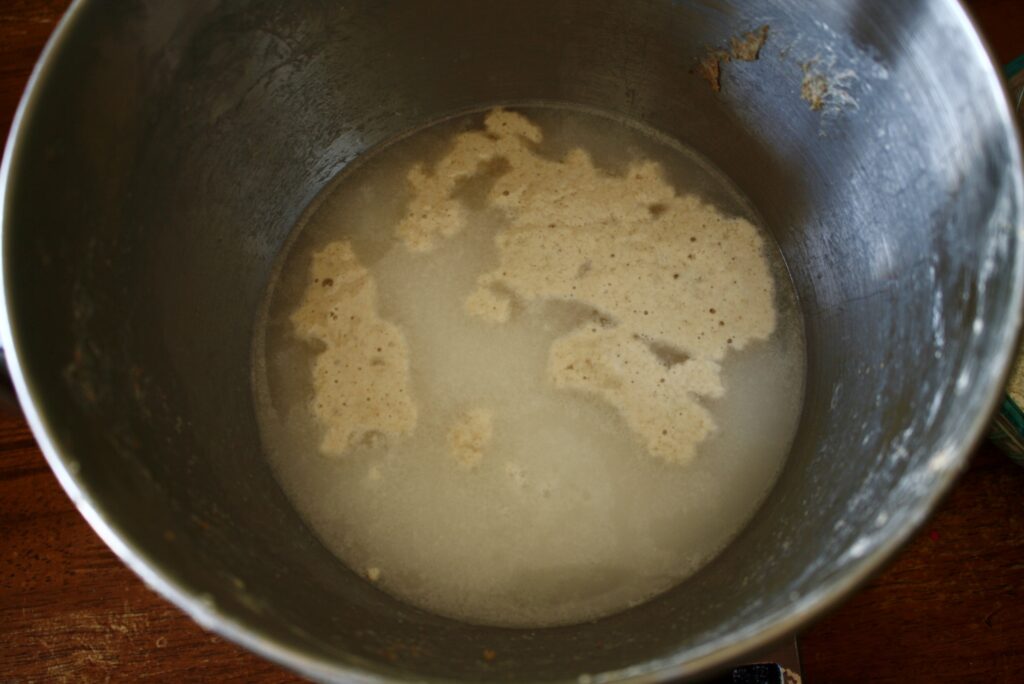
<point>164,150</point>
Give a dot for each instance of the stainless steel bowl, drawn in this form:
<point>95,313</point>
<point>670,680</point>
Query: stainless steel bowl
<point>165,150</point>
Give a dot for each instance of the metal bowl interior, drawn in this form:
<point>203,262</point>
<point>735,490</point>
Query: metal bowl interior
<point>165,150</point>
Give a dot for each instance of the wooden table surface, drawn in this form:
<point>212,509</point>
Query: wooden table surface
<point>949,609</point>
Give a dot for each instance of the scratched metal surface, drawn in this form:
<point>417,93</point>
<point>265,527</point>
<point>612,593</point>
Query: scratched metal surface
<point>125,370</point>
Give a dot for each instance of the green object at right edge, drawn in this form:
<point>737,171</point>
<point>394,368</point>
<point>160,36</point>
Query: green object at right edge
<point>1007,429</point>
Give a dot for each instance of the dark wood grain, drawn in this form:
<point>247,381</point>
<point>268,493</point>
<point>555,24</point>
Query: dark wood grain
<point>1002,22</point>
<point>950,608</point>
<point>71,612</point>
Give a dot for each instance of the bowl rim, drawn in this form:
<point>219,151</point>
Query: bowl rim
<point>717,654</point>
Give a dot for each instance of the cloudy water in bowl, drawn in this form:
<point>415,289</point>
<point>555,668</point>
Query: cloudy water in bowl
<point>529,366</point>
